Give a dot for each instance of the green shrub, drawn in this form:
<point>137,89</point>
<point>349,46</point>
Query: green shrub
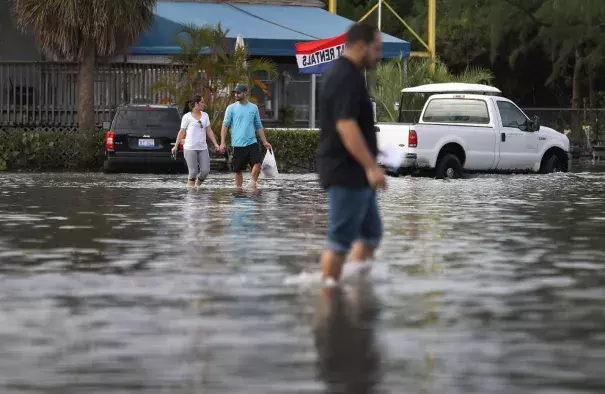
<point>47,149</point>
<point>294,149</point>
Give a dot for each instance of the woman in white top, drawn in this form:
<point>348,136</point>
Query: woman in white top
<point>195,126</point>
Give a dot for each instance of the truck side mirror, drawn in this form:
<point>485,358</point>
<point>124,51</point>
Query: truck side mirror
<point>535,123</point>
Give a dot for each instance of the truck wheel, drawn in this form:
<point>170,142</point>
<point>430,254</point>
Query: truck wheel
<point>390,172</point>
<point>552,164</point>
<point>448,167</point>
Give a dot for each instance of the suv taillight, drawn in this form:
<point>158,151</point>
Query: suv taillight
<point>412,139</point>
<point>109,136</point>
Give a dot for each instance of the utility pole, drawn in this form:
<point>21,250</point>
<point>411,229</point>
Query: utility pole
<point>379,15</point>
<point>332,6</point>
<point>432,23</point>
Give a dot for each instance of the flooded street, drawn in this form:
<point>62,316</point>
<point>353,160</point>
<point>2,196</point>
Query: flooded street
<point>132,284</point>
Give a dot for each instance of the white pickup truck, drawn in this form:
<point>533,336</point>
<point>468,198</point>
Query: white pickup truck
<point>469,127</point>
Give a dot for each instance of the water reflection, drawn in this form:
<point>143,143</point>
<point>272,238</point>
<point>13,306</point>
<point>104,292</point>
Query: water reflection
<point>243,212</point>
<point>349,360</point>
<point>197,215</point>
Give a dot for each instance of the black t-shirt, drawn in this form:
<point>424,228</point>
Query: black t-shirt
<point>343,96</point>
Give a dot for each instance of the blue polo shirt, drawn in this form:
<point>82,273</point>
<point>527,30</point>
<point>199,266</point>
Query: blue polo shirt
<point>244,120</point>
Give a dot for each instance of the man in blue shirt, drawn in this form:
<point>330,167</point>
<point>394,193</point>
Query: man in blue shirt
<point>244,120</point>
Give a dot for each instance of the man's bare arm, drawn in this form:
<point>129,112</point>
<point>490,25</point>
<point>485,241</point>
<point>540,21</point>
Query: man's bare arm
<point>223,135</point>
<point>261,134</point>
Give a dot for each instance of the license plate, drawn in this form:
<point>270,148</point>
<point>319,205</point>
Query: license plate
<point>147,143</point>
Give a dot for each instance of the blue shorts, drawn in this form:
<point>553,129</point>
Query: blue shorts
<point>354,216</point>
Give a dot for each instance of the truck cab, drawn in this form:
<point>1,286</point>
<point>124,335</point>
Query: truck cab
<point>471,128</point>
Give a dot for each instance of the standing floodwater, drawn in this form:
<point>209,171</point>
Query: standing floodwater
<point>133,284</point>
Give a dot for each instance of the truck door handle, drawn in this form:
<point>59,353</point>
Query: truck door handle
<point>503,137</point>
<point>377,129</point>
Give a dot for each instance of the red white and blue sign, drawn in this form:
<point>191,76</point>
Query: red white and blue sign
<point>314,57</point>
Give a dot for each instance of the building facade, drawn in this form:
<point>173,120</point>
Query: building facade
<point>36,90</point>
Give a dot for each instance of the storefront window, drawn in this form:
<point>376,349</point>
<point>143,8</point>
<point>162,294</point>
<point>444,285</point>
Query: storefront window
<point>266,97</point>
<point>299,96</point>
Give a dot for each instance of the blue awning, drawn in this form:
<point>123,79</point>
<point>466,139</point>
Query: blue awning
<point>268,30</point>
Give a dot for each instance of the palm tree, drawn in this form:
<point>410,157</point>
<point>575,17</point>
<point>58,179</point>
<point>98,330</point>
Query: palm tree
<point>211,69</point>
<point>393,75</point>
<point>81,31</point>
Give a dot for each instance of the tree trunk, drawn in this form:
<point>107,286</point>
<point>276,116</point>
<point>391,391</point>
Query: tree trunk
<point>86,109</point>
<point>125,89</point>
<point>575,88</point>
<point>592,103</point>
<point>576,126</point>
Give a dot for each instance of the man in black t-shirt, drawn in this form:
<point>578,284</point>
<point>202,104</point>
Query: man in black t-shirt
<point>346,159</point>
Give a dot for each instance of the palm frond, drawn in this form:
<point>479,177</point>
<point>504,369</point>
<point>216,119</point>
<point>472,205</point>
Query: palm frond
<point>213,68</point>
<point>71,29</point>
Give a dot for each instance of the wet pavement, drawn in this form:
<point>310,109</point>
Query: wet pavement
<point>132,284</point>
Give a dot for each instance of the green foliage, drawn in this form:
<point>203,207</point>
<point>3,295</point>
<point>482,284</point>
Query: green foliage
<point>569,30</point>
<point>294,149</point>
<point>211,69</point>
<point>43,150</point>
<point>570,35</point>
<point>68,149</point>
<point>543,52</point>
<point>395,74</point>
<point>463,33</point>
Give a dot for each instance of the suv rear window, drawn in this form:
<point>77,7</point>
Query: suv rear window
<point>452,110</point>
<point>151,119</point>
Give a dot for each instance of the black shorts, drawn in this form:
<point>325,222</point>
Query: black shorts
<point>244,155</point>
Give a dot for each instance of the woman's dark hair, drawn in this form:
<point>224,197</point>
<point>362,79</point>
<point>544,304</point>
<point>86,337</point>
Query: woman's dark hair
<point>196,99</point>
<point>189,104</point>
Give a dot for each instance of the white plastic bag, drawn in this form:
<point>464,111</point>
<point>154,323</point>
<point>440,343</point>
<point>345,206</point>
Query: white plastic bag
<point>269,166</point>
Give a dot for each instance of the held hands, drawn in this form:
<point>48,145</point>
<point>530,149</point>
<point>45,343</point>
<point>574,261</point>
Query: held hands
<point>376,177</point>
<point>222,147</point>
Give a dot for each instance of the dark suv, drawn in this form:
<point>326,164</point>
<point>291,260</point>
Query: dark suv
<point>143,135</point>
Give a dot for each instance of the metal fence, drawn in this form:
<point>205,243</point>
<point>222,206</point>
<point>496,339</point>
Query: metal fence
<point>45,94</point>
<point>575,120</point>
